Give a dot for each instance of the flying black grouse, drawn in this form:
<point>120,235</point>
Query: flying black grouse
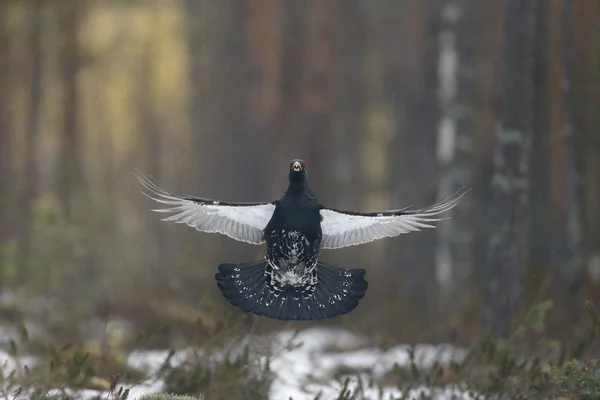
<point>290,283</point>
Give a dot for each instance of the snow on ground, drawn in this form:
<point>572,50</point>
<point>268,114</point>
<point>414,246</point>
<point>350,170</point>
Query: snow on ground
<point>308,370</point>
<point>304,364</point>
<point>135,392</point>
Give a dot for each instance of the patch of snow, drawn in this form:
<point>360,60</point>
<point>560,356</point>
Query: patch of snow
<point>307,370</point>
<point>382,362</point>
<point>360,386</point>
<point>135,392</point>
<point>7,362</point>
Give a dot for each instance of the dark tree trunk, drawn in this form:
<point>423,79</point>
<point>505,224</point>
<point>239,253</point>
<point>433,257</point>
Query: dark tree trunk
<point>586,120</point>
<point>414,161</point>
<point>226,147</point>
<point>350,39</point>
<point>507,215</point>
<point>6,186</point>
<point>201,39</point>
<point>349,52</point>
<point>291,126</point>
<point>262,24</point>
<point>152,154</point>
<point>28,190</point>
<point>70,163</point>
<point>485,101</point>
<point>317,98</point>
<point>197,172</point>
<point>539,207</point>
<point>572,258</point>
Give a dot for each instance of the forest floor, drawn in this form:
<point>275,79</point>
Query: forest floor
<point>226,359</point>
<point>315,363</point>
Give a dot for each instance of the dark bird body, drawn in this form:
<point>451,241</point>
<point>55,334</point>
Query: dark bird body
<point>290,283</point>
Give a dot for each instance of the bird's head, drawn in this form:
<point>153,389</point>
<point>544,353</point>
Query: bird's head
<point>297,171</point>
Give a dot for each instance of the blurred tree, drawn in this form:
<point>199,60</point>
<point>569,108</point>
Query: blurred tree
<point>152,155</point>
<point>349,52</point>
<point>568,240</point>
<point>294,44</point>
<point>227,150</point>
<point>70,176</point>
<point>540,260</point>
<point>379,127</point>
<point>507,221</point>
<point>5,91</point>
<point>454,150</point>
<point>207,32</point>
<point>264,24</point>
<point>414,158</point>
<point>586,120</point>
<point>486,68</point>
<point>36,95</point>
<point>317,98</point>
<point>347,131</point>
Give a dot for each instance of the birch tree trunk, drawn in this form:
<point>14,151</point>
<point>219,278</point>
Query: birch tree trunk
<point>454,147</point>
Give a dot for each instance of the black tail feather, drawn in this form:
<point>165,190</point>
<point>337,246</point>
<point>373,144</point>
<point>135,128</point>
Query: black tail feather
<point>338,291</point>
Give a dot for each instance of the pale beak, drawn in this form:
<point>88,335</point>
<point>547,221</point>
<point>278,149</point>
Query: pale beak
<point>296,167</point>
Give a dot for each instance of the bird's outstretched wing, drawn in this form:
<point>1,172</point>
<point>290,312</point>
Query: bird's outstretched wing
<point>349,228</point>
<point>240,221</point>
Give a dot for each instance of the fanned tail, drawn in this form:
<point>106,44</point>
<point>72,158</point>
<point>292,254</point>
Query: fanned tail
<point>338,291</point>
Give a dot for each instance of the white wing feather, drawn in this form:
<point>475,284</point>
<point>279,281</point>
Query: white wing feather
<point>239,221</point>
<point>350,228</point>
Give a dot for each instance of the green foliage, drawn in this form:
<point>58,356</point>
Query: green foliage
<point>577,377</point>
<point>70,368</point>
<point>58,252</point>
<point>591,308</point>
<point>534,318</point>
